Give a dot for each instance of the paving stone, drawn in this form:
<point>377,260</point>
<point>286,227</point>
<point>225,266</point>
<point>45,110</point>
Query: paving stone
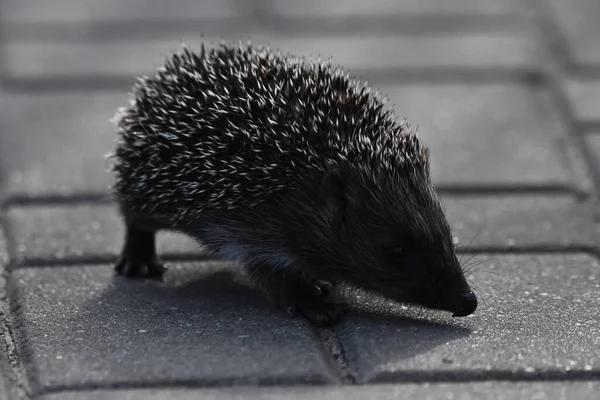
<point>66,232</point>
<point>577,21</point>
<point>430,391</point>
<point>512,50</point>
<point>83,326</point>
<point>6,355</point>
<point>82,11</point>
<point>485,134</point>
<point>4,258</point>
<point>386,8</point>
<point>540,317</point>
<point>55,143</point>
<point>521,221</point>
<point>4,388</point>
<point>592,140</point>
<point>584,96</point>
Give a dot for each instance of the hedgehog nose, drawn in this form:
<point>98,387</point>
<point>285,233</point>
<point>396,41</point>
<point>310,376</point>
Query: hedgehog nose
<point>467,304</point>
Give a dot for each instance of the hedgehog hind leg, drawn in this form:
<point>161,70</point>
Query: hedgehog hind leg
<point>297,295</point>
<point>138,257</point>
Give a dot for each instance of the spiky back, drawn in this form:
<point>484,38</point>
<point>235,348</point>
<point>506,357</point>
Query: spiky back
<point>227,126</point>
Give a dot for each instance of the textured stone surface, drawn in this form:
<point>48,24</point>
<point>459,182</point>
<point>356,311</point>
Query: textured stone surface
<point>578,23</point>
<point>584,95</point>
<point>82,11</point>
<point>55,143</point>
<point>7,356</point>
<point>4,388</point>
<point>459,391</point>
<point>386,8</point>
<point>83,326</point>
<point>592,140</point>
<point>56,233</point>
<point>511,50</point>
<point>520,221</point>
<point>485,134</point>
<point>538,315</point>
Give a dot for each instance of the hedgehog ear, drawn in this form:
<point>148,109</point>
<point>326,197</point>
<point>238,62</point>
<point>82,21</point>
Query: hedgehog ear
<point>332,194</point>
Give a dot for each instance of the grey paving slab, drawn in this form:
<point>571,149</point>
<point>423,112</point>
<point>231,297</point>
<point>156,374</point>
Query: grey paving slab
<point>55,143</point>
<point>578,23</point>
<point>584,96</point>
<point>512,50</point>
<point>429,391</point>
<point>66,232</point>
<point>485,134</point>
<point>541,317</point>
<point>4,388</point>
<point>84,326</point>
<point>387,8</point>
<point>521,221</point>
<point>592,140</point>
<point>85,11</point>
<point>6,355</point>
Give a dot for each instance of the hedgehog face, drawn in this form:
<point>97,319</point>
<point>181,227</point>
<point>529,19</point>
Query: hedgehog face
<point>422,272</point>
<point>399,242</point>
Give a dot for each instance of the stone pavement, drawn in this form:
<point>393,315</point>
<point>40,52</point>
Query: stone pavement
<point>505,92</point>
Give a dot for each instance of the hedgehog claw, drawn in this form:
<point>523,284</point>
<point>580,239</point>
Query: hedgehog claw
<point>153,269</point>
<point>292,311</point>
<point>322,289</point>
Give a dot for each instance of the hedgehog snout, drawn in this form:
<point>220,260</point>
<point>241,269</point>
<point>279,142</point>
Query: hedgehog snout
<point>466,304</point>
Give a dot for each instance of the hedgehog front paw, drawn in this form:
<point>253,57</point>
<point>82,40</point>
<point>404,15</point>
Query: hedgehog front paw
<point>322,289</point>
<point>319,313</point>
<point>132,268</point>
<point>310,303</point>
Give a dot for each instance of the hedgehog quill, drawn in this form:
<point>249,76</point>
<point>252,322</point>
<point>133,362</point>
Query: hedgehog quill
<point>290,168</point>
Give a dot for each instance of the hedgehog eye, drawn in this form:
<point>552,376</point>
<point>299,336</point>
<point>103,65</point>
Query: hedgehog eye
<point>396,255</point>
<point>397,252</point>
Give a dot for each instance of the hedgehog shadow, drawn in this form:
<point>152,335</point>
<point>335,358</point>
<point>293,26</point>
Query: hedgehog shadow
<point>394,332</point>
<point>213,294</point>
<point>206,305</point>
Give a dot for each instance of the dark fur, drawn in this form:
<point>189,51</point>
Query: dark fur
<point>374,221</point>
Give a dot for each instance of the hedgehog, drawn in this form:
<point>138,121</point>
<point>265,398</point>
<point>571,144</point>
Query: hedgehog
<point>289,167</point>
